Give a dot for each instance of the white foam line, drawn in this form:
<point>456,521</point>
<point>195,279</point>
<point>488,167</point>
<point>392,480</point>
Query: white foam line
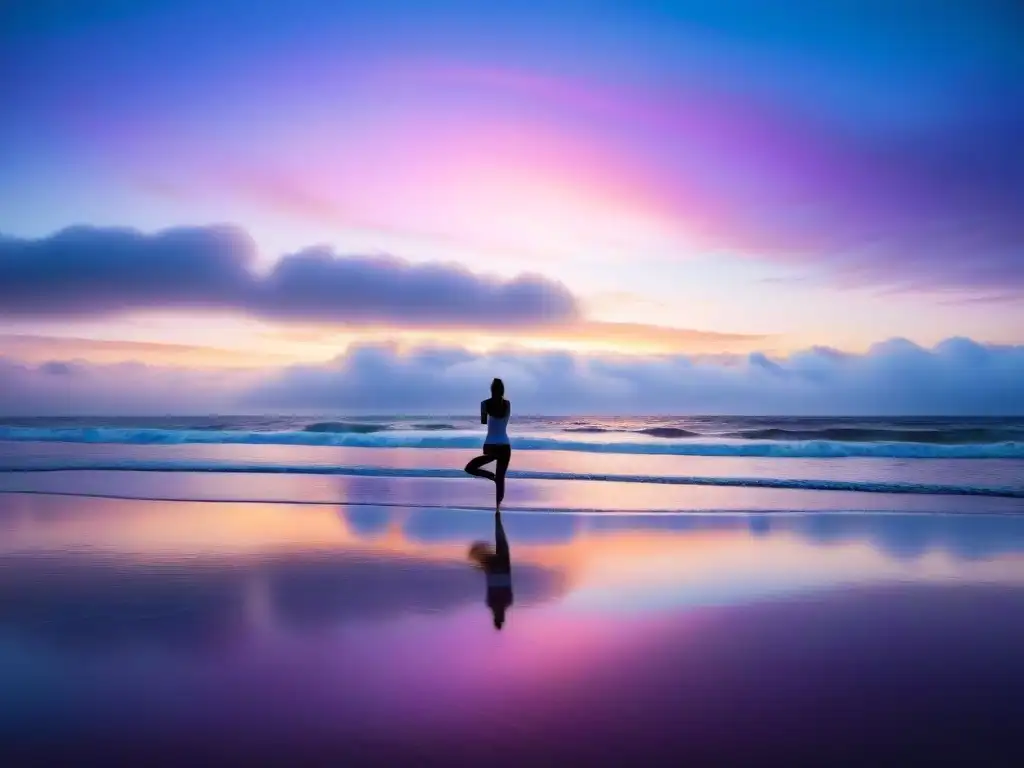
<point>357,471</point>
<point>434,440</point>
<point>527,510</point>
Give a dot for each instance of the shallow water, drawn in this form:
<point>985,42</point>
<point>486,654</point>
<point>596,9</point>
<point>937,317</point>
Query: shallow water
<point>698,474</point>
<point>235,633</point>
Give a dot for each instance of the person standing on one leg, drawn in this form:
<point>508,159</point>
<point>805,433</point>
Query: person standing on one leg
<point>494,412</point>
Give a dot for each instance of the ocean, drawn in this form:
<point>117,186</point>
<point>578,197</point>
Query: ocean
<point>963,457</point>
<point>808,437</point>
<point>730,591</point>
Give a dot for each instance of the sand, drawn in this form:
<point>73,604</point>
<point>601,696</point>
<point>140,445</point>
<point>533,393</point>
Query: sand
<point>354,630</point>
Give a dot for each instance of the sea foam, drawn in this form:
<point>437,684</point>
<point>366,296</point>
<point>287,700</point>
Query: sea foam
<point>131,465</point>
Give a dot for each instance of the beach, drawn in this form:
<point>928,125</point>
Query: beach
<point>722,305</point>
<point>165,614</point>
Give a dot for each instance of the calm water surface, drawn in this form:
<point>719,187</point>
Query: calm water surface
<point>256,633</point>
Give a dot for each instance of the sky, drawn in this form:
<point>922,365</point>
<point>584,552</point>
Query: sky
<point>608,202</point>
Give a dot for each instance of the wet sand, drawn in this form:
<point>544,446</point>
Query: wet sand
<point>252,633</point>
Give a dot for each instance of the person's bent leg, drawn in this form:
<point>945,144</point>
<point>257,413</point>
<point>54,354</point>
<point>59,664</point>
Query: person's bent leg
<point>474,467</point>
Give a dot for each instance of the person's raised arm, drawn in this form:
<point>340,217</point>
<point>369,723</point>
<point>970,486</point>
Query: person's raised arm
<point>483,411</point>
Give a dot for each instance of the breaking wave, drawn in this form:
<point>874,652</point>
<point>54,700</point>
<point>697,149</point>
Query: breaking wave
<point>358,435</point>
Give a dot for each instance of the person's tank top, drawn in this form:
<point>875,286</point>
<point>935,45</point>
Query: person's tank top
<point>497,430</point>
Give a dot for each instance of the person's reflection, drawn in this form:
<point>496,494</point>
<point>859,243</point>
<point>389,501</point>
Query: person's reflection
<point>496,563</point>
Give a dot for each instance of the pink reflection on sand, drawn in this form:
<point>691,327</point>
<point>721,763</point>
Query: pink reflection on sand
<point>446,673</point>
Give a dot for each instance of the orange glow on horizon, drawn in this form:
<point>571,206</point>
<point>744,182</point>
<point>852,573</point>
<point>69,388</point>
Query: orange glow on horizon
<point>273,346</point>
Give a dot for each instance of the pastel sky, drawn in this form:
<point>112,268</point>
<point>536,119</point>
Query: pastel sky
<point>194,184</point>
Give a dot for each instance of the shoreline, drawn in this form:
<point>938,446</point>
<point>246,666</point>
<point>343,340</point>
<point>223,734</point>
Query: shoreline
<point>717,495</point>
<point>514,510</point>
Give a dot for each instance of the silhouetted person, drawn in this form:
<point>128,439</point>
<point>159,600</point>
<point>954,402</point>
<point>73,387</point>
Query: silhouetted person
<point>494,412</point>
<point>497,565</point>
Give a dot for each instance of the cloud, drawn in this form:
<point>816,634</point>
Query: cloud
<point>956,377</point>
<point>931,206</point>
<point>86,272</point>
<point>643,336</point>
<point>881,147</point>
<point>34,348</point>
<point>925,199</point>
<point>71,388</point>
<point>90,272</point>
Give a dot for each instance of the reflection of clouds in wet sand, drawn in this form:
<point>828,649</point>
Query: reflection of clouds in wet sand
<point>436,526</point>
<point>152,530</point>
<point>967,537</point>
<point>720,562</point>
<point>90,602</point>
<point>317,631</point>
<point>192,574</point>
<point>971,536</point>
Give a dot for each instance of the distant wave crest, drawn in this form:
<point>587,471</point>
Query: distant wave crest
<point>951,436</point>
<point>670,432</point>
<point>948,436</point>
<point>667,432</point>
<point>343,434</point>
<point>344,427</point>
<point>355,428</point>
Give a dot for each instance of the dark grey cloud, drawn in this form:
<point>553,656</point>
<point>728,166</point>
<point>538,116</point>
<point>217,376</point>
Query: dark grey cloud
<point>100,271</point>
<point>90,272</point>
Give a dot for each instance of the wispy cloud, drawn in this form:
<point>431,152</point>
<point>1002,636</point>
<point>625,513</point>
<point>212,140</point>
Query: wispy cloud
<point>36,349</point>
<point>851,145</point>
<point>935,209</point>
<point>661,170</point>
